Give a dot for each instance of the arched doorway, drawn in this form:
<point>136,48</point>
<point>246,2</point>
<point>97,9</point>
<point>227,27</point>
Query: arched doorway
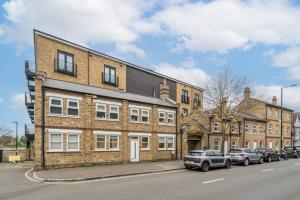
<point>194,142</point>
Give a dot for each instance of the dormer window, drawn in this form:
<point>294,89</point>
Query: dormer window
<point>65,63</point>
<point>110,76</point>
<point>185,97</point>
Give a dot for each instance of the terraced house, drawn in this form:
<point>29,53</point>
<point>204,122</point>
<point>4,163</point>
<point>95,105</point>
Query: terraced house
<point>88,107</point>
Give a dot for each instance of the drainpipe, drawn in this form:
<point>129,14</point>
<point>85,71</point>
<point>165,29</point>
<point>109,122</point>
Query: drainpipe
<point>43,128</point>
<point>176,150</point>
<point>244,134</point>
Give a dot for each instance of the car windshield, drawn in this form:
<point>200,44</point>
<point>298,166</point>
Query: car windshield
<point>195,153</point>
<point>236,151</point>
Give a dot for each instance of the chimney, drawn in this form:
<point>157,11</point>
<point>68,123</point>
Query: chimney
<point>164,90</point>
<point>247,93</point>
<point>274,100</point>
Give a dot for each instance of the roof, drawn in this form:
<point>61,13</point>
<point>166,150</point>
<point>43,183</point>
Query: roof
<point>250,116</point>
<point>273,105</point>
<point>111,57</point>
<point>75,87</point>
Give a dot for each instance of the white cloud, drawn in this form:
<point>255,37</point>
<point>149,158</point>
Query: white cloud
<point>224,25</point>
<point>85,22</point>
<point>291,96</point>
<point>186,71</point>
<point>289,59</point>
<point>18,101</point>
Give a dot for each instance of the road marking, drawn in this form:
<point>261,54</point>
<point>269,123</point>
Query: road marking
<point>18,165</point>
<point>266,170</point>
<point>211,181</point>
<point>29,178</point>
<point>297,164</point>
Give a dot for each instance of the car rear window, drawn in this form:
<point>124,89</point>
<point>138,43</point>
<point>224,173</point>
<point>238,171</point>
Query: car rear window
<point>235,151</point>
<point>195,153</point>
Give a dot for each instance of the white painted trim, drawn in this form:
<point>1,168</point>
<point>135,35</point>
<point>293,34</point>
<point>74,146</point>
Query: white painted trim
<point>78,139</point>
<point>107,132</point>
<point>166,135</point>
<point>50,130</point>
<point>165,110</point>
<point>138,114</point>
<point>61,140</point>
<point>57,106</point>
<point>78,107</point>
<point>107,102</point>
<point>63,96</point>
<point>118,112</point>
<point>139,134</point>
<point>100,149</point>
<point>140,107</point>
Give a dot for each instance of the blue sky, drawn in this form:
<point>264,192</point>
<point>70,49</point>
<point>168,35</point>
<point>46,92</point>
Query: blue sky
<point>190,40</point>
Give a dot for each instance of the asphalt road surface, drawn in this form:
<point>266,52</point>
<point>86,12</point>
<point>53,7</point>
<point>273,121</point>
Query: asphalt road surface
<point>269,181</point>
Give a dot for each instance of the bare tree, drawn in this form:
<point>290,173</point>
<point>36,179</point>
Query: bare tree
<point>5,135</point>
<point>222,94</point>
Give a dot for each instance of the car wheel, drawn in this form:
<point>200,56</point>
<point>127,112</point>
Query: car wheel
<point>227,164</point>
<point>261,160</point>
<point>205,167</point>
<point>269,159</point>
<point>246,162</point>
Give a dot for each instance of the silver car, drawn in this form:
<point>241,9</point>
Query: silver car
<point>245,156</point>
<point>205,160</point>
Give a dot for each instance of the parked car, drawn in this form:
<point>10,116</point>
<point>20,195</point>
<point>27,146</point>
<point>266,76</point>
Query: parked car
<point>283,154</point>
<point>269,155</point>
<point>292,152</point>
<point>245,156</point>
<point>205,160</point>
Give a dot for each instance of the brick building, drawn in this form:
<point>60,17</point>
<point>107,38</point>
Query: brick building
<point>90,108</point>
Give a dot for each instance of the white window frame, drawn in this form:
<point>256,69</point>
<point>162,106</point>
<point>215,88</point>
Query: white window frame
<point>247,129</point>
<point>164,113</point>
<point>105,142</point>
<point>143,115</point>
<point>270,129</point>
<point>170,118</point>
<point>118,112</point>
<point>233,129</point>
<point>118,142</point>
<point>61,141</point>
<point>173,143</point>
<point>78,141</point>
<point>72,107</point>
<point>261,144</point>
<point>276,128</point>
<point>159,148</point>
<point>138,114</point>
<point>261,130</point>
<point>254,129</point>
<point>148,143</point>
<point>97,110</point>
<point>61,105</point>
<point>233,144</point>
<point>247,144</point>
<point>218,141</point>
<point>216,128</point>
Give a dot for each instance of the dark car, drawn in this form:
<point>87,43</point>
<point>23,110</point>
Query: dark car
<point>269,155</point>
<point>292,152</point>
<point>283,154</point>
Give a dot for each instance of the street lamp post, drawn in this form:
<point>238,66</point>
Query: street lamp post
<point>16,136</point>
<point>281,106</point>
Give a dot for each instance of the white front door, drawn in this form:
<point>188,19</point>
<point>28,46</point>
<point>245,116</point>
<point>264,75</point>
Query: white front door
<point>134,149</point>
<point>225,147</point>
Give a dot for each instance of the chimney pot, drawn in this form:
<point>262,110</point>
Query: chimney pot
<point>274,100</point>
<point>247,93</point>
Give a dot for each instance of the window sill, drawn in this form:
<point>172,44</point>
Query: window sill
<point>163,124</point>
<point>112,150</point>
<point>72,151</point>
<point>140,122</point>
<point>55,151</point>
<point>111,120</point>
<point>166,149</point>
<point>64,116</point>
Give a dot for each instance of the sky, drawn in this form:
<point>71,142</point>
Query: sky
<point>189,40</point>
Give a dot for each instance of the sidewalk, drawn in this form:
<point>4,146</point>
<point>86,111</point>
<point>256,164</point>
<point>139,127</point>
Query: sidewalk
<point>106,171</point>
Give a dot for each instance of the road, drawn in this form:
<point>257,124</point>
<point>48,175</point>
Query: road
<point>269,181</point>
